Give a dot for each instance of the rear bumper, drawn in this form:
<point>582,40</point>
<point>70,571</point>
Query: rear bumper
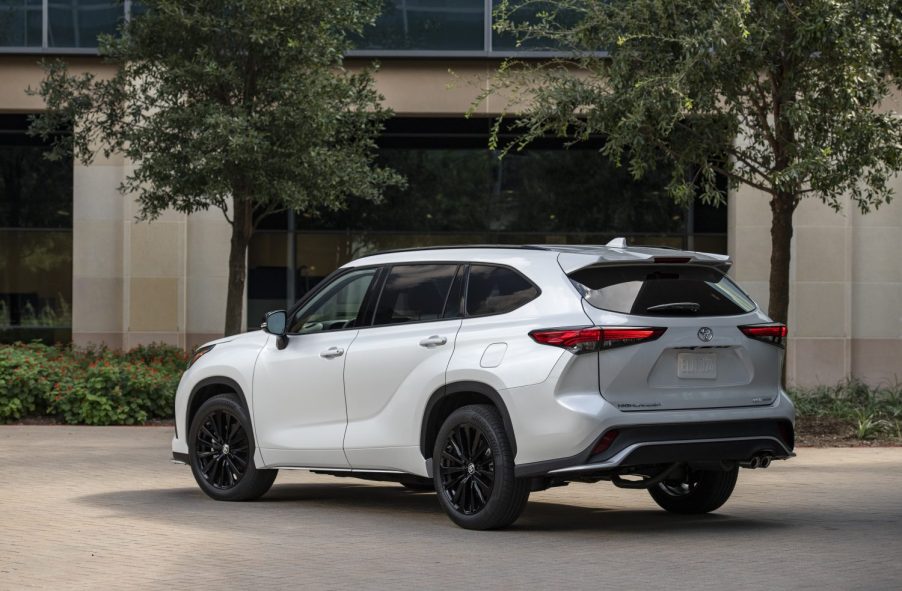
<point>664,444</point>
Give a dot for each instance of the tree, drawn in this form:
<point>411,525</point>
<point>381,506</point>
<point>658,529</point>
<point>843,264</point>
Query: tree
<point>783,96</point>
<point>241,105</point>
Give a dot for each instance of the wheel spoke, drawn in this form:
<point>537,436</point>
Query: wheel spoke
<point>486,485</point>
<point>455,443</point>
<point>475,442</point>
<point>451,458</point>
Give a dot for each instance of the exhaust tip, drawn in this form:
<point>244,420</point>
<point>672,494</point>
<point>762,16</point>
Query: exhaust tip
<point>751,463</point>
<point>765,461</point>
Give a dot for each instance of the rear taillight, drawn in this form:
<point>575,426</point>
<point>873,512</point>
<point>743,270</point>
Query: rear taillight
<point>773,333</point>
<point>595,338</point>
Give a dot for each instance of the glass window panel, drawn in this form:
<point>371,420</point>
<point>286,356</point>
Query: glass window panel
<point>77,23</point>
<point>20,23</point>
<point>531,14</point>
<point>428,25</point>
<point>663,290</point>
<point>459,192</point>
<point>539,190</point>
<point>336,307</point>
<point>497,290</point>
<point>414,293</point>
<point>35,238</point>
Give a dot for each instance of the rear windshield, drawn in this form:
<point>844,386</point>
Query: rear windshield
<point>662,290</point>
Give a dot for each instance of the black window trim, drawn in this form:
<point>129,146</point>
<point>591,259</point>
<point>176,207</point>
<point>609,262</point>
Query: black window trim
<point>503,266</point>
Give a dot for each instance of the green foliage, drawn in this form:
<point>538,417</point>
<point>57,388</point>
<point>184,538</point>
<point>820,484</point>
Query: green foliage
<point>787,97</point>
<point>870,412</point>
<point>94,386</point>
<point>240,105</point>
<point>781,96</point>
<point>227,98</point>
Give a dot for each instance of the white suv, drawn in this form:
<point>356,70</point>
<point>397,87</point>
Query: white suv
<point>490,372</point>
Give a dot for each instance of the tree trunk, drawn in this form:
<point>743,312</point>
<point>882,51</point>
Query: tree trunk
<point>782,207</point>
<point>242,230</point>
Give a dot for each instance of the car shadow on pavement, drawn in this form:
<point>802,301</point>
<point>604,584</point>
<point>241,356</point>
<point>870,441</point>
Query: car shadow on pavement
<point>399,507</point>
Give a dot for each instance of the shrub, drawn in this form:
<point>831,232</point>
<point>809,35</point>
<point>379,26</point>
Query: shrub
<point>94,386</point>
<point>870,412</point>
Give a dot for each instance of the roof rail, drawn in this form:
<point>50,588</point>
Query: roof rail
<point>456,246</point>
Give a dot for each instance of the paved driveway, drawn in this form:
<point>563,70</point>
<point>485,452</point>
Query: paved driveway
<point>100,508</point>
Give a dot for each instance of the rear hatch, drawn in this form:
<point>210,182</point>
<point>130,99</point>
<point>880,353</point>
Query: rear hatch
<point>703,359</point>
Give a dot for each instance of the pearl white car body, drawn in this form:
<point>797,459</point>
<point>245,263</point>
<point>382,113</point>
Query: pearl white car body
<point>360,398</point>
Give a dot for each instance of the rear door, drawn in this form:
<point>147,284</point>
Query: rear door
<point>702,360</point>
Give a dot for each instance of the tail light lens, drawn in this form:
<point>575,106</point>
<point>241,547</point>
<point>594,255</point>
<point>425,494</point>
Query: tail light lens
<point>595,338</point>
<point>774,333</point>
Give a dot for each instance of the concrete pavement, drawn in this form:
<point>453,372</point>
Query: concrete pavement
<point>98,508</point>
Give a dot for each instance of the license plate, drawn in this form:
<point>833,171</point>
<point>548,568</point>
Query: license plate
<point>697,366</point>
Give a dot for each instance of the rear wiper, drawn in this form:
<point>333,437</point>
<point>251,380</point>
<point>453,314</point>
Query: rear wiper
<point>675,306</point>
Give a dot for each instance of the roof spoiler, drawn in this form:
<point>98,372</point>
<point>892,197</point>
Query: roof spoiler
<point>616,252</point>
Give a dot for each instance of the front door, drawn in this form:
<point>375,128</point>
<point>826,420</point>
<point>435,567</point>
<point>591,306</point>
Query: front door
<point>395,364</point>
<point>298,394</point>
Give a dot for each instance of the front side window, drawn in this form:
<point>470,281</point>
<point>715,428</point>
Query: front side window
<point>663,290</point>
<point>497,290</point>
<point>414,293</point>
<point>335,307</point>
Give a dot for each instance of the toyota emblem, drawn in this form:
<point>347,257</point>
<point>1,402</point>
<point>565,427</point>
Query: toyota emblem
<point>705,334</point>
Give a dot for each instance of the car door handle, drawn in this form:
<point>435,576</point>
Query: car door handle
<point>433,341</point>
<point>332,352</point>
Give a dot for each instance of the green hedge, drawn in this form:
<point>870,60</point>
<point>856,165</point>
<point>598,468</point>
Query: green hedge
<point>94,386</point>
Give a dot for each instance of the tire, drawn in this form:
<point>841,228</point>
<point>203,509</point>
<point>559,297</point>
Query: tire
<point>231,476</point>
<point>701,491</point>
<point>474,470</point>
<point>418,484</point>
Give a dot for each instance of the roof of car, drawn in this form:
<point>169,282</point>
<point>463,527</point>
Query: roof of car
<point>570,256</point>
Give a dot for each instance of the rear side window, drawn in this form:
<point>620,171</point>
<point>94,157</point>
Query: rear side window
<point>414,293</point>
<point>662,290</point>
<point>497,290</point>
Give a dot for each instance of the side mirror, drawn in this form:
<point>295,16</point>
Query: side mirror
<point>276,323</point>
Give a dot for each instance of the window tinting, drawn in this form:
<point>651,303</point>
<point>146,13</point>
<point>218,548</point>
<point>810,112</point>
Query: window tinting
<point>414,293</point>
<point>77,23</point>
<point>663,290</point>
<point>35,238</point>
<point>497,290</point>
<point>337,306</point>
<point>427,25</point>
<point>20,23</point>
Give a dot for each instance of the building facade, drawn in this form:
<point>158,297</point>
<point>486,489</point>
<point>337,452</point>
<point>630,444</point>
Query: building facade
<point>75,265</point>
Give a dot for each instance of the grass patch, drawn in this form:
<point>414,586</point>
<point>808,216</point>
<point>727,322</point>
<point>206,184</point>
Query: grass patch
<point>851,410</point>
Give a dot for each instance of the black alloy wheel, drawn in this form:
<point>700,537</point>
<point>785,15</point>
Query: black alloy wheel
<point>473,470</point>
<point>467,469</point>
<point>223,449</point>
<point>221,452</point>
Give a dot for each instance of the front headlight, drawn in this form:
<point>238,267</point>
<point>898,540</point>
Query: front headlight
<point>198,353</point>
